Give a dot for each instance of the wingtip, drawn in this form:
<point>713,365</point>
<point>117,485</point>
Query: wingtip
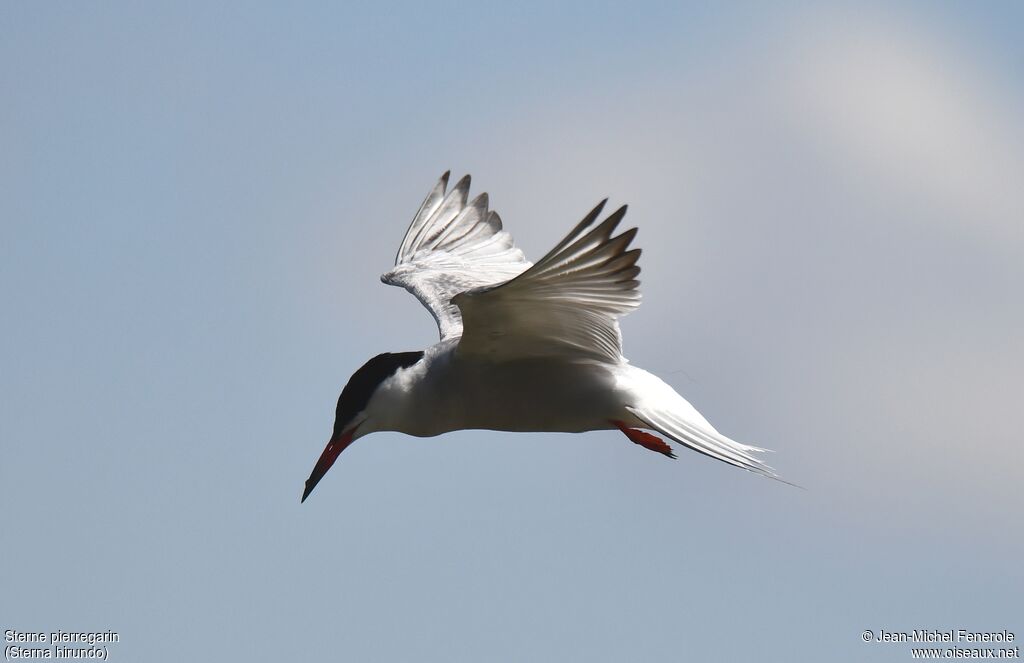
<point>481,202</point>
<point>614,219</point>
<point>588,220</point>
<point>442,183</point>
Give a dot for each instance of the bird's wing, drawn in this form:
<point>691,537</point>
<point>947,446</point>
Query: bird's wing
<point>452,246</point>
<point>567,305</point>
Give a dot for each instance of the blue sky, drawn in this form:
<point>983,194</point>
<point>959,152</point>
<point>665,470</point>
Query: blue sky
<point>196,202</point>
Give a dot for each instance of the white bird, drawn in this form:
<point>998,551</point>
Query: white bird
<point>524,347</point>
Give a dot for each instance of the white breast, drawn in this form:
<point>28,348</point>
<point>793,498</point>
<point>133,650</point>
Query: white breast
<point>444,392</point>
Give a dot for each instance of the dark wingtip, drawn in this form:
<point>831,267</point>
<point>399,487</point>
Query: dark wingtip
<point>443,181</point>
<point>590,217</point>
<point>306,492</point>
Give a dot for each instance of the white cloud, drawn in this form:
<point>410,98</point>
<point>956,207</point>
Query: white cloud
<point>908,109</point>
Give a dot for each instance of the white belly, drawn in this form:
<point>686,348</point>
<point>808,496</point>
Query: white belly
<point>524,395</point>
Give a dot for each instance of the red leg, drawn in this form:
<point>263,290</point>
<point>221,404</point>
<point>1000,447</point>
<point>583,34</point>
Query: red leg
<point>644,439</point>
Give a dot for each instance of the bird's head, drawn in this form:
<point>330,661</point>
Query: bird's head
<point>352,414</point>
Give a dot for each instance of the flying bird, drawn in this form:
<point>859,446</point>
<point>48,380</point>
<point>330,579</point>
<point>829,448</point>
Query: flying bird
<point>524,347</point>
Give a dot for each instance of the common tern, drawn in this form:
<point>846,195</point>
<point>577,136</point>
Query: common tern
<point>524,347</point>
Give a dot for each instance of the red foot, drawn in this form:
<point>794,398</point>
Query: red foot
<point>645,440</point>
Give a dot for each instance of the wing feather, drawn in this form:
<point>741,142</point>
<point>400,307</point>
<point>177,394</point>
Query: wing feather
<point>452,246</point>
<point>568,304</point>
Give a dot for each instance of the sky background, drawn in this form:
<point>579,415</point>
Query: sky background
<point>196,203</point>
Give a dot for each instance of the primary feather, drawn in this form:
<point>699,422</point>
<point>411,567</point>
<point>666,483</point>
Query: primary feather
<point>566,305</point>
<point>452,246</point>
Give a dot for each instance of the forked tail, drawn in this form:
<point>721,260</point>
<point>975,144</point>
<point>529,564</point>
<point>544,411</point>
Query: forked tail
<point>708,442</point>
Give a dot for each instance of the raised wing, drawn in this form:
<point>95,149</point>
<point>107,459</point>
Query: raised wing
<point>566,305</point>
<point>452,246</point>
